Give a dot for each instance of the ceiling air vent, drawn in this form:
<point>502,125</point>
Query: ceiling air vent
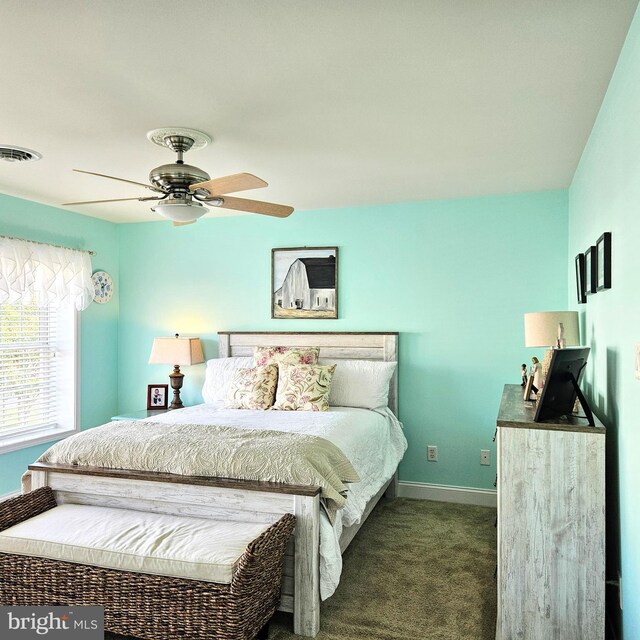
<point>18,154</point>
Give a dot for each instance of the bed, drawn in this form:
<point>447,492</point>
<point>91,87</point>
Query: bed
<point>313,558</point>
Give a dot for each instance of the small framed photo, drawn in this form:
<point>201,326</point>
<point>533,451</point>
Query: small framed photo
<point>157,396</point>
<point>603,262</point>
<point>638,360</point>
<point>580,279</point>
<point>591,270</point>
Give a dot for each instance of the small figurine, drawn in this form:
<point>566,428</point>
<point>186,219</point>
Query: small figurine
<point>523,373</point>
<point>536,372</point>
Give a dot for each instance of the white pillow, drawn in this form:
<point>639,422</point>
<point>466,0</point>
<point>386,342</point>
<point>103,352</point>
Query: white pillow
<point>218,376</point>
<point>360,383</point>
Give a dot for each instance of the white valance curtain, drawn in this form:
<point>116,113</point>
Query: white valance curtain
<point>34,273</point>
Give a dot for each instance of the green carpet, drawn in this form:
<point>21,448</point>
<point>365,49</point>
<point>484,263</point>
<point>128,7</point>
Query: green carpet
<point>417,570</point>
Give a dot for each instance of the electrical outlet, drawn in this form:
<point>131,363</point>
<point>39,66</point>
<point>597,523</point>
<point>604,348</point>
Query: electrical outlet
<point>484,457</point>
<point>432,453</point>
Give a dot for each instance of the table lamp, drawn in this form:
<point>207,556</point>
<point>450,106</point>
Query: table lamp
<point>553,330</point>
<point>176,351</point>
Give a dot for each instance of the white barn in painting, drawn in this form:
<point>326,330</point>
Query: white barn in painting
<point>309,284</point>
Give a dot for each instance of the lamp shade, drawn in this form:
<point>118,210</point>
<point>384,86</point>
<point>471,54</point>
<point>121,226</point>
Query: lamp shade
<point>541,328</point>
<point>177,350</point>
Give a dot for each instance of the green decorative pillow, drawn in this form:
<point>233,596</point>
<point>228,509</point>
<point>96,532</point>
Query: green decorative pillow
<point>303,387</point>
<point>262,356</point>
<point>252,388</point>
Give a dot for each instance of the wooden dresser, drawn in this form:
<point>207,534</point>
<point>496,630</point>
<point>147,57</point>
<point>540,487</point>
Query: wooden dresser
<point>551,525</point>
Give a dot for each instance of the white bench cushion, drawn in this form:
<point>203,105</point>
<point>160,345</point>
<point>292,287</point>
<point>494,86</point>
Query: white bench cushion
<point>128,540</point>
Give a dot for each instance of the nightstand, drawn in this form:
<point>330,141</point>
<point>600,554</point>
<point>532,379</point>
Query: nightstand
<point>145,414</point>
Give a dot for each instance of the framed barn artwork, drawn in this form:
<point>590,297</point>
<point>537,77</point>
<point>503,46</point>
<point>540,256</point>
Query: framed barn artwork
<point>304,282</point>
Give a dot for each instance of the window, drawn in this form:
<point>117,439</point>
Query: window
<point>38,356</point>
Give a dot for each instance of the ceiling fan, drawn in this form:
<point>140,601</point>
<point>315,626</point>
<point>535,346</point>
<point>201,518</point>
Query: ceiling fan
<point>181,189</point>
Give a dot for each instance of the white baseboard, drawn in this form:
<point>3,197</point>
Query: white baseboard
<point>6,496</point>
<point>445,493</point>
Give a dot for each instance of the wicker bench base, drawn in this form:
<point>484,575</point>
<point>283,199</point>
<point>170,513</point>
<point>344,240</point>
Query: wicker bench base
<point>149,606</point>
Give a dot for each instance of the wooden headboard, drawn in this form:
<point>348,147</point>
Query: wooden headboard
<point>346,346</point>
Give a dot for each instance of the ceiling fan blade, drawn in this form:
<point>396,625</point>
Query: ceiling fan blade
<point>102,175</point>
<point>230,184</point>
<point>255,206</point>
<point>182,224</point>
<point>70,204</point>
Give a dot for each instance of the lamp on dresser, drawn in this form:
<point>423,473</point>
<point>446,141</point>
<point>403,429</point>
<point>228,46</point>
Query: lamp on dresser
<point>179,352</point>
<point>551,329</point>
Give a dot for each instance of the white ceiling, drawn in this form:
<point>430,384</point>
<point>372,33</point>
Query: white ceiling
<point>335,103</point>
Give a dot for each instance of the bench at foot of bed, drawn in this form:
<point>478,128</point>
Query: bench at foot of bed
<point>180,577</point>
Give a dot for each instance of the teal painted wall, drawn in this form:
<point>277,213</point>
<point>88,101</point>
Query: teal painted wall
<point>605,196</point>
<point>453,277</point>
<point>98,323</point>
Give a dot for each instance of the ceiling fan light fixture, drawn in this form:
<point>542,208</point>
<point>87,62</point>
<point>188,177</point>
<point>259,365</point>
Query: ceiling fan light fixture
<point>184,211</point>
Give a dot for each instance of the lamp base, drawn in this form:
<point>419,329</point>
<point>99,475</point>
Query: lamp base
<point>176,377</point>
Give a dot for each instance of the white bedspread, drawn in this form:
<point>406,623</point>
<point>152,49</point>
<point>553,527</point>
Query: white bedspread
<point>373,441</point>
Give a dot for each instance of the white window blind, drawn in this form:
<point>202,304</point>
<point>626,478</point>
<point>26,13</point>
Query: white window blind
<point>27,367</point>
<point>37,373</point>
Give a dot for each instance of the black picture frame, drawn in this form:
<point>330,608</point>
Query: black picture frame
<point>580,279</point>
<point>561,385</point>
<point>160,400</point>
<point>591,270</point>
<point>603,262</point>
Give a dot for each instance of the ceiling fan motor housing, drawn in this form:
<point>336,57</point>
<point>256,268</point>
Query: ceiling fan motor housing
<point>177,176</point>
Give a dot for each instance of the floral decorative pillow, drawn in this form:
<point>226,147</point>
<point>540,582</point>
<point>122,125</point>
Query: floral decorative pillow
<point>303,387</point>
<point>263,356</point>
<point>253,388</point>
